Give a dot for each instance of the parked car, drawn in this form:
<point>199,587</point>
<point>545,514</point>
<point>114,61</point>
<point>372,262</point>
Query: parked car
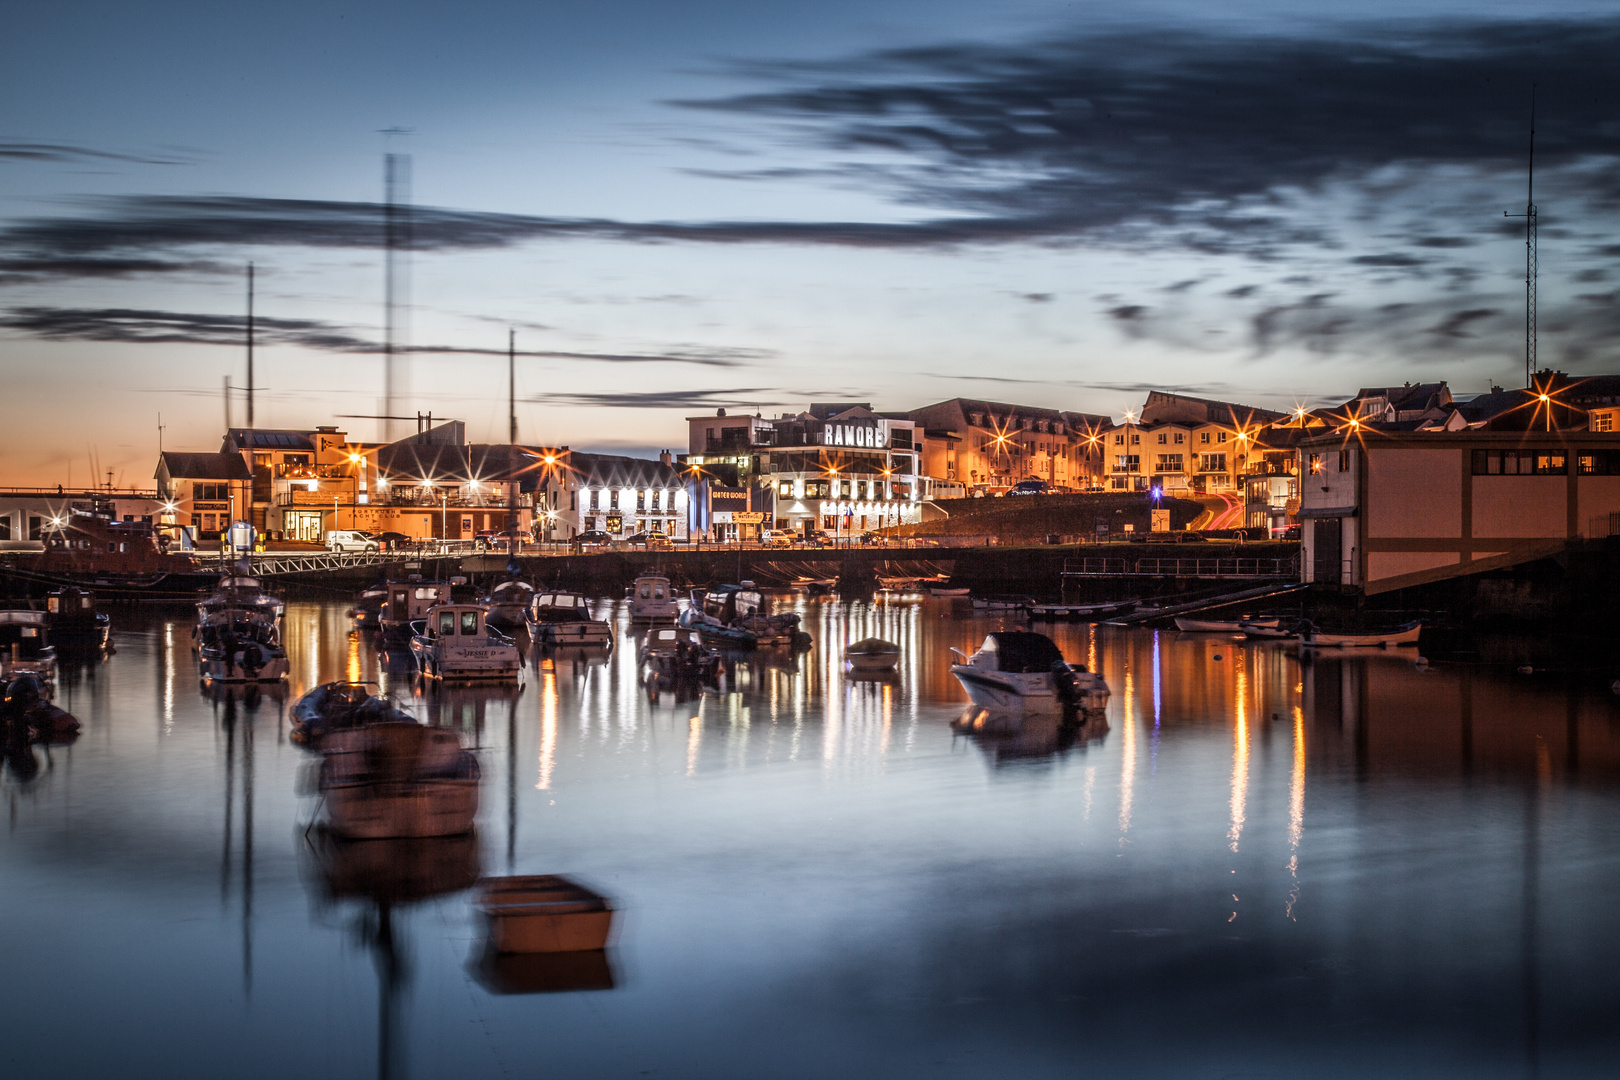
<point>594,536</point>
<point>351,540</point>
<point>873,539</point>
<point>1030,487</point>
<point>653,541</point>
<point>776,538</point>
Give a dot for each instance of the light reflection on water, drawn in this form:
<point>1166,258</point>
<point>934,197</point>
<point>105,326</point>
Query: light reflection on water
<point>817,876</point>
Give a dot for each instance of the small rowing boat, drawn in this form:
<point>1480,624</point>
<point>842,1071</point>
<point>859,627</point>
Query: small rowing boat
<point>1223,626</point>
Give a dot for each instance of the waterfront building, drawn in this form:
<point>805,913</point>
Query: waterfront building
<point>1388,509</point>
<point>989,446</point>
<point>835,467</point>
<point>28,515</point>
<point>202,493</point>
<point>576,492</point>
<point>434,484</point>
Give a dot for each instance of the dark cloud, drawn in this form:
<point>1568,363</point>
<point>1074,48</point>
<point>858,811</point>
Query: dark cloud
<point>1388,259</point>
<point>746,398</point>
<point>60,152</point>
<point>1457,323</point>
<point>1037,297</point>
<point>148,327</point>
<point>1242,291</point>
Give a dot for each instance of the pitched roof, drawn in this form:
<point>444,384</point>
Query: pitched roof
<point>179,465</point>
<point>269,439</point>
<point>617,470</point>
<point>1205,410</point>
<point>449,463</point>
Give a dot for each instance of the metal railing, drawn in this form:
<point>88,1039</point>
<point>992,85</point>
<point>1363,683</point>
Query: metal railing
<point>1183,568</point>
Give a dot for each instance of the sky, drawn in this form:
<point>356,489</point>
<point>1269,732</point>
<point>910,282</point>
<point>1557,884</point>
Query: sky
<point>677,207</point>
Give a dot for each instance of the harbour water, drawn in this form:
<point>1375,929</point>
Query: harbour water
<point>1342,867</point>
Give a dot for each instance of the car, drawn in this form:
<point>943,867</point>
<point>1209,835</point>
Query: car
<point>777,539</point>
<point>1030,487</point>
<point>594,536</point>
<point>342,540</point>
<point>395,541</point>
<point>650,540</point>
<point>873,539</point>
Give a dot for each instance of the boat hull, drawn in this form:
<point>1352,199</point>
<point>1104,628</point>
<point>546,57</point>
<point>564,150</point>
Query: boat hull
<point>544,914</point>
<point>1404,636</point>
<point>1222,626</point>
<point>1007,692</point>
<point>403,809</point>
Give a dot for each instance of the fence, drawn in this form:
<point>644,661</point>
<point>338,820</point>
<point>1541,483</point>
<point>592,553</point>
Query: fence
<point>1183,568</point>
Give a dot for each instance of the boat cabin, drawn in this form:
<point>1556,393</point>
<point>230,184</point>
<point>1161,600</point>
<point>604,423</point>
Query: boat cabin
<point>409,601</point>
<point>560,607</point>
<point>455,642</point>
<point>728,603</point>
<point>24,634</point>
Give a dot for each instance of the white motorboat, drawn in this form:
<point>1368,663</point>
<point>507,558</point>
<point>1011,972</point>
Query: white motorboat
<point>398,780</point>
<point>564,618</point>
<point>239,596</point>
<point>455,641</point>
<point>408,602</point>
<point>1003,603</point>
<point>652,600</point>
<point>1223,626</point>
<point>871,656</point>
<point>1023,672</point>
<point>1310,637</point>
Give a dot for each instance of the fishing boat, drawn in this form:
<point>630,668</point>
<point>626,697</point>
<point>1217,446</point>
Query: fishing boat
<point>25,647</point>
<point>1024,672</point>
<point>455,641</point>
<point>398,780</point>
<point>871,656</point>
<point>1223,626</point>
<point>118,559</point>
<point>75,624</point>
<point>564,618</point>
<point>408,602</point>
<point>544,914</point>
<point>652,600</point>
<point>1311,637</point>
<point>340,706</point>
<point>1002,603</point>
<point>508,604</point>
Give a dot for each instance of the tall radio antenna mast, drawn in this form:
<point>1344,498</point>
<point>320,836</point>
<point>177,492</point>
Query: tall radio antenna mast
<point>1531,264</point>
<point>397,240</point>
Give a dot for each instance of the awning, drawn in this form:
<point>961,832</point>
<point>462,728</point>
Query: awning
<point>1327,512</point>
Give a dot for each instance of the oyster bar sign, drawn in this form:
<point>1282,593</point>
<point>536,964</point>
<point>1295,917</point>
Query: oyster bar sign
<point>861,433</point>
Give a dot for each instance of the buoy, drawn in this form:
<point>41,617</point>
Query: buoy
<point>1422,661</point>
<point>1217,656</point>
<point>1526,669</point>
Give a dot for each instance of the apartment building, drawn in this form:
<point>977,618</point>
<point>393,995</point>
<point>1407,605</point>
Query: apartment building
<point>989,446</point>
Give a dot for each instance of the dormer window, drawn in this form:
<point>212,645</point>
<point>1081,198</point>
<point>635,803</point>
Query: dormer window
<point>976,419</point>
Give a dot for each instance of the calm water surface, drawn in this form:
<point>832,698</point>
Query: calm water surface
<point>1351,867</point>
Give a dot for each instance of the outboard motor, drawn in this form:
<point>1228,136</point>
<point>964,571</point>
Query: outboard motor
<point>1063,680</point>
<point>24,694</point>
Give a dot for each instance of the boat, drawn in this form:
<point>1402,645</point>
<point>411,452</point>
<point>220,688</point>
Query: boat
<point>1083,612</point>
<point>941,590</point>
<point>1311,637</point>
<point>1223,626</point>
<point>1024,672</point>
<point>455,641</point>
<point>398,780</point>
<point>871,656</point>
<point>1282,629</point>
<point>240,658</point>
<point>1003,603</point>
<point>564,618</point>
<point>673,652</point>
<point>408,601</point>
<point>239,597</point>
<point>815,586</point>
<point>25,647</point>
<point>508,604</point>
<point>118,559</point>
<point>735,616</point>
<point>544,913</point>
<point>652,600</point>
<point>75,624</point>
<point>897,584</point>
<point>339,706</point>
<point>367,611</point>
<point>27,713</point>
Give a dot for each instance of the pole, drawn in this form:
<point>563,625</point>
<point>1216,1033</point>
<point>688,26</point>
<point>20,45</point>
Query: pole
<point>511,448</point>
<point>250,354</point>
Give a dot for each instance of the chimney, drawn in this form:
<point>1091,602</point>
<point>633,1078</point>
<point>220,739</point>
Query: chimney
<point>719,412</point>
<point>665,458</point>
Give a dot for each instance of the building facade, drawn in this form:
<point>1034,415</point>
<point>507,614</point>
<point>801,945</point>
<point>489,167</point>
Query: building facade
<point>835,468</point>
<point>989,446</point>
<point>577,492</point>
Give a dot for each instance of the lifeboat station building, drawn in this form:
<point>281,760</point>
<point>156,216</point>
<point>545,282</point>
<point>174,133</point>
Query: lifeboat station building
<point>835,468</point>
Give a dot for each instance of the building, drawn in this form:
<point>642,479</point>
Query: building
<point>433,484</point>
<point>575,492</point>
<point>988,446</point>
<point>836,467</point>
<point>29,515</point>
<point>1385,510</point>
<point>202,493</point>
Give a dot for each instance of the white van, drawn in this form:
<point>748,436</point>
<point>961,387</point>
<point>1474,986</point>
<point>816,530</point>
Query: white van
<point>350,540</point>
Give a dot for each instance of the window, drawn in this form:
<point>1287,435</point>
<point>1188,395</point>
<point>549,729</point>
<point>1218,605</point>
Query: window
<point>1344,461</point>
<point>785,488</point>
<point>1135,439</point>
<point>1212,463</point>
<point>1603,422</point>
<point>1180,438</point>
<point>469,623</point>
<point>1220,436</point>
<point>1522,463</point>
<point>1203,436</point>
<point>1127,462</point>
<point>1169,463</point>
<point>5,526</point>
<point>1119,440</point>
<point>1161,438</point>
<point>1592,463</point>
<point>447,624</point>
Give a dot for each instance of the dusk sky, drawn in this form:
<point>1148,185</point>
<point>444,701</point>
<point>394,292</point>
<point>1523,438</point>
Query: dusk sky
<point>751,204</point>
